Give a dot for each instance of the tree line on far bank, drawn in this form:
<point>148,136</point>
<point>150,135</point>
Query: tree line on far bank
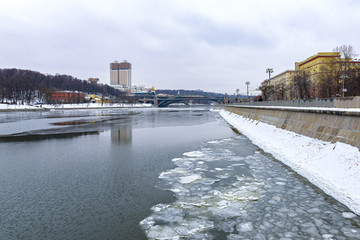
<point>26,86</point>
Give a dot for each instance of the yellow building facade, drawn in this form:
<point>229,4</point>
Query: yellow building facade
<point>316,64</point>
<point>314,67</point>
<point>324,63</point>
<point>283,82</point>
<point>96,99</point>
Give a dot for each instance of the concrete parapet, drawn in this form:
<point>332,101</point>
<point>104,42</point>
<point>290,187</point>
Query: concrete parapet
<point>347,102</point>
<point>324,124</point>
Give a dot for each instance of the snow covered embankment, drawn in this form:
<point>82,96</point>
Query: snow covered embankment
<point>333,167</point>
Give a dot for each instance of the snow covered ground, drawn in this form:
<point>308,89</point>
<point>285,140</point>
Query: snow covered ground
<point>71,106</point>
<point>333,167</point>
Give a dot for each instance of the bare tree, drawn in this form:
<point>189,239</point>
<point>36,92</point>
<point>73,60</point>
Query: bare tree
<point>347,54</point>
<point>303,86</point>
<point>328,81</point>
<point>346,51</point>
<point>264,88</point>
<point>279,91</point>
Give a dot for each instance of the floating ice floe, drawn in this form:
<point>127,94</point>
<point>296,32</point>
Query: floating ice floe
<point>348,215</point>
<point>189,179</point>
<point>199,199</point>
<point>245,227</point>
<point>194,154</point>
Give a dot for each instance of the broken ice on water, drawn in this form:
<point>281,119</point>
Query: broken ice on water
<point>247,197</point>
<point>199,200</point>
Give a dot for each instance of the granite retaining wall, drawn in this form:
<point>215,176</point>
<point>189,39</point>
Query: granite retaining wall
<point>326,125</point>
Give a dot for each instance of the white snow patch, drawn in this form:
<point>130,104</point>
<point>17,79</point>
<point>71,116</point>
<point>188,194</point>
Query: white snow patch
<point>333,167</point>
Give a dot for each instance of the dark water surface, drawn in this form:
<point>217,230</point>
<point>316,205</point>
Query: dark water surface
<point>94,180</point>
<point>176,173</point>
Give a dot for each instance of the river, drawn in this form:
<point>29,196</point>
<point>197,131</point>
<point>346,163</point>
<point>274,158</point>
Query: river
<point>152,173</point>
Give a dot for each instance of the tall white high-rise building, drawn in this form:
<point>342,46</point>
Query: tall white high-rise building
<point>120,75</point>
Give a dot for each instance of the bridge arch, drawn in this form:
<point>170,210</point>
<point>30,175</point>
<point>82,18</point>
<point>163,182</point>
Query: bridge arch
<point>165,102</point>
<point>150,101</point>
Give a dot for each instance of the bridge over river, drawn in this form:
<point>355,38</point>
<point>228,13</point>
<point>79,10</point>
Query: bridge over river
<point>164,101</point>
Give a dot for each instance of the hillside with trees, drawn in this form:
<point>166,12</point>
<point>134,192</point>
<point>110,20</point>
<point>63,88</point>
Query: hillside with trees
<point>26,86</point>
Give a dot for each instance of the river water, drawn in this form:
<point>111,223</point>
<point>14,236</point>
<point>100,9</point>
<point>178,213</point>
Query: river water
<point>175,173</point>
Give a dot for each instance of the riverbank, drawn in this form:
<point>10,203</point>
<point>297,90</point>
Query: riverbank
<point>47,107</point>
<point>326,124</point>
<point>333,167</point>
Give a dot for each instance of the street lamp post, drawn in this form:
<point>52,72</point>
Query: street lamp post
<point>269,70</point>
<point>343,76</point>
<point>247,90</point>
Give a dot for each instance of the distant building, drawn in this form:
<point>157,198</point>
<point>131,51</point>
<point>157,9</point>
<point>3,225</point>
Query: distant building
<point>120,75</point>
<point>317,63</point>
<point>97,99</point>
<point>93,80</point>
<point>284,83</point>
<point>67,97</point>
<point>140,89</point>
<point>322,70</point>
<point>322,64</point>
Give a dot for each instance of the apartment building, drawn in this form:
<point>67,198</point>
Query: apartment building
<point>313,68</point>
<point>67,97</point>
<point>120,75</point>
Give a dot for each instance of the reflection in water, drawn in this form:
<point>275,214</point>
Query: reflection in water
<point>40,137</point>
<point>122,135</point>
<point>69,123</point>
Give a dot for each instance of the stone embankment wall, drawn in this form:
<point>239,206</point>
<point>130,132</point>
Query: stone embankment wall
<point>328,125</point>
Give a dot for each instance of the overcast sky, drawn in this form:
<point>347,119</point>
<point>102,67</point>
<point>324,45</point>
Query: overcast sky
<point>187,44</point>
